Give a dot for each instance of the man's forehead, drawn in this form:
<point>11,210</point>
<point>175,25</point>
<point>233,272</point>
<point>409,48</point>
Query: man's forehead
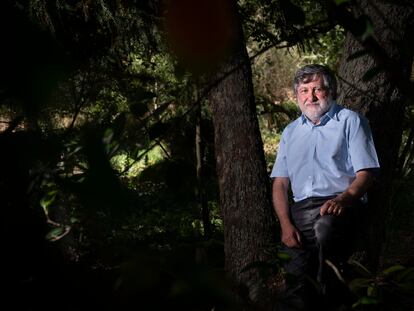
<point>311,78</point>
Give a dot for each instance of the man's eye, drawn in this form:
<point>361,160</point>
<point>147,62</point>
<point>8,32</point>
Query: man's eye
<point>303,91</point>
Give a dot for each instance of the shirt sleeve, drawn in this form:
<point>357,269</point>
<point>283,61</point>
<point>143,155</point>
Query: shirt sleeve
<point>280,166</point>
<point>361,145</point>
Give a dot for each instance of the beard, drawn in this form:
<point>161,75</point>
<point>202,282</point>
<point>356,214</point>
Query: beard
<point>315,110</point>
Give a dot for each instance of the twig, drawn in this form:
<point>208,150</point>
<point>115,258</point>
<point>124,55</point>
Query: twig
<point>336,270</point>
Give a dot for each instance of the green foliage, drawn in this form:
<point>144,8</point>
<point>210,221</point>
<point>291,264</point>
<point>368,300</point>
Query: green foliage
<point>270,144</point>
<point>390,289</point>
<point>114,169</point>
<point>273,73</point>
<point>326,49</point>
<point>123,114</point>
<point>130,168</point>
<point>284,21</point>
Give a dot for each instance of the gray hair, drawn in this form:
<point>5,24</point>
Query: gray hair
<point>310,73</point>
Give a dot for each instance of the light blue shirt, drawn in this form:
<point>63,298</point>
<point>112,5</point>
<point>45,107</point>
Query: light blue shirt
<point>321,160</point>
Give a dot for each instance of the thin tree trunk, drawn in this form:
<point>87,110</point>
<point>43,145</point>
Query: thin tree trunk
<point>200,190</point>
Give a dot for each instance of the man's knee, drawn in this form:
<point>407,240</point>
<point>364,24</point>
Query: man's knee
<point>326,230</point>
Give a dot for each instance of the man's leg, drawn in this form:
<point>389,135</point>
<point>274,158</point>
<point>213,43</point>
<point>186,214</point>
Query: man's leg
<point>300,292</point>
<point>304,262</point>
<point>334,246</point>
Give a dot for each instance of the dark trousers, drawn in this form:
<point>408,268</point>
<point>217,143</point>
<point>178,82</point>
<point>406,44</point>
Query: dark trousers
<point>324,238</point>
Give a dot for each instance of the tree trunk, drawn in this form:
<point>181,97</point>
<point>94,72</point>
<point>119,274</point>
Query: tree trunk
<point>382,100</point>
<point>243,182</point>
<point>200,190</point>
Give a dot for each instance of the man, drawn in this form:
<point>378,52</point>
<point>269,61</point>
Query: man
<point>327,155</point>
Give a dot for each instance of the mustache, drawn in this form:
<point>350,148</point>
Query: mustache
<point>312,103</point>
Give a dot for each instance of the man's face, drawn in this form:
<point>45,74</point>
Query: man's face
<point>313,99</point>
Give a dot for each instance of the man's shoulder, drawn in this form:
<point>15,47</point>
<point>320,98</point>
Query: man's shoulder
<point>292,125</point>
<point>344,113</point>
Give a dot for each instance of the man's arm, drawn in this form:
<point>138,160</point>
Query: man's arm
<point>290,235</point>
<point>357,189</point>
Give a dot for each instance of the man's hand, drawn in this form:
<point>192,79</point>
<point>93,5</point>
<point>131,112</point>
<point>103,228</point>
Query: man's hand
<point>332,207</point>
<point>356,189</point>
<point>291,236</point>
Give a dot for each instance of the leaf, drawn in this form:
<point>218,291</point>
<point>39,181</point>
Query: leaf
<point>393,269</point>
<point>407,275</point>
<point>47,200</point>
<point>361,269</point>
<point>107,136</point>
<point>372,291</point>
<point>368,300</point>
<point>365,301</point>
<point>407,287</point>
<point>359,283</point>
<point>371,73</point>
<point>57,233</point>
<point>283,257</point>
<point>74,220</point>
<point>369,30</point>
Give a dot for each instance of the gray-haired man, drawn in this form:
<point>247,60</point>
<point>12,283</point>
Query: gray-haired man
<point>327,156</point>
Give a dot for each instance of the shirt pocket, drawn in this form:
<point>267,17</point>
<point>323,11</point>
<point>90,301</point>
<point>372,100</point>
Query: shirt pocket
<point>334,152</point>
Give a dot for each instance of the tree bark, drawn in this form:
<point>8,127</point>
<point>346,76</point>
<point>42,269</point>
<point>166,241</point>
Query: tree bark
<point>381,99</point>
<point>245,204</point>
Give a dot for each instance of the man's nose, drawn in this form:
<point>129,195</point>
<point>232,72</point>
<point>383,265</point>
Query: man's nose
<point>314,97</point>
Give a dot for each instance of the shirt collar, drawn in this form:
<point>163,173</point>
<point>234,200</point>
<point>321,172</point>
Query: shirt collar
<point>303,118</point>
<point>332,113</point>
